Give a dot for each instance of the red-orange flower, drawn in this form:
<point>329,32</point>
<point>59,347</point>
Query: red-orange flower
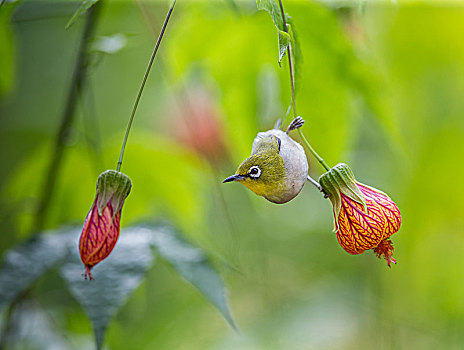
<point>364,217</point>
<point>101,227</point>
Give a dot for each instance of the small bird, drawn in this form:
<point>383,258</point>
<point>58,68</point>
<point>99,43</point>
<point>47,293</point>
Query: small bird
<point>278,167</point>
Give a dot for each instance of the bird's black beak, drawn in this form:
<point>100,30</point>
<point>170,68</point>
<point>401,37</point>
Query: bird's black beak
<point>235,177</point>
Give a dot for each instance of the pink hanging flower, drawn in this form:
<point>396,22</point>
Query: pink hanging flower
<point>364,217</point>
<point>102,224</point>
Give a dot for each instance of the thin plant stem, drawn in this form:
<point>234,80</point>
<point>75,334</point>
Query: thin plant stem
<point>144,80</point>
<point>292,83</point>
<point>311,149</point>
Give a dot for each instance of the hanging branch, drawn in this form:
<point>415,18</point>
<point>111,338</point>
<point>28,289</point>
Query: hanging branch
<point>292,83</point>
<point>144,80</point>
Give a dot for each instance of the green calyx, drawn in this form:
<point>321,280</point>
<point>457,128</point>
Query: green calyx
<point>112,186</point>
<point>340,179</point>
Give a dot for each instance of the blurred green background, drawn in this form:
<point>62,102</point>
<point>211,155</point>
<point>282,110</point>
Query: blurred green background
<point>381,87</point>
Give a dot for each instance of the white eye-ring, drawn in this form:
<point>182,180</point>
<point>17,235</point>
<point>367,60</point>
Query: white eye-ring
<point>254,172</point>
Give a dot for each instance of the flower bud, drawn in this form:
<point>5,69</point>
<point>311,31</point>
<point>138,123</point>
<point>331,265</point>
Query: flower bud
<point>102,224</point>
<point>364,217</point>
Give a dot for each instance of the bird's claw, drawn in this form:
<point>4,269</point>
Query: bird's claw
<point>295,124</point>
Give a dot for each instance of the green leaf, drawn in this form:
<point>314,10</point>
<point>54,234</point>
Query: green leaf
<point>284,43</point>
<point>286,37</point>
<point>274,10</point>
<point>86,4</point>
<point>27,262</point>
<point>115,278</point>
<point>191,263</point>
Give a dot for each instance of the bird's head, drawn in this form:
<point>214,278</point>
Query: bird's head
<point>264,171</point>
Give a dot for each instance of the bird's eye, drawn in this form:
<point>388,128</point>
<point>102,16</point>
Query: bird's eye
<point>254,172</point>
